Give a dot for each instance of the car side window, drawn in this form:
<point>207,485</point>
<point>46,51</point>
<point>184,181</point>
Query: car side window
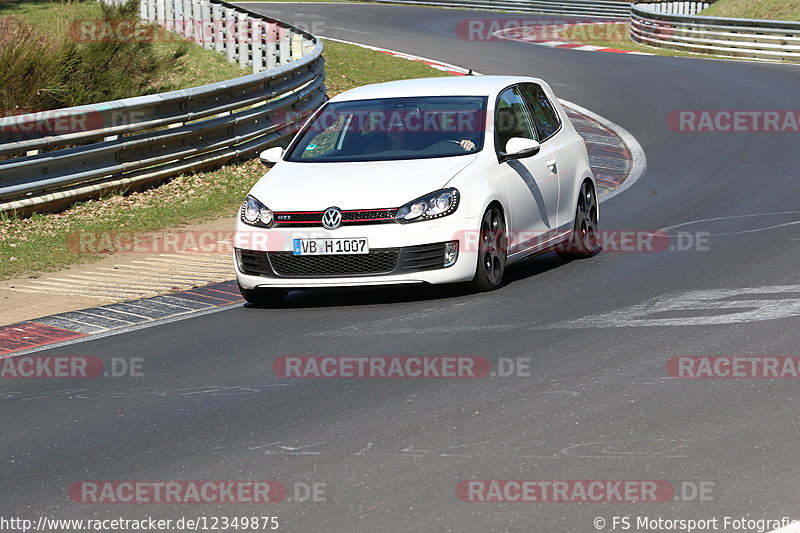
<point>511,118</point>
<point>544,114</point>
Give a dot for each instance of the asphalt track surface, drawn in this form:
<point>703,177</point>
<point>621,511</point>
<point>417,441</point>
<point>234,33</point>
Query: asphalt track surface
<point>597,404</point>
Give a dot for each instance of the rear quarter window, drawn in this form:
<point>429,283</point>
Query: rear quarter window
<point>545,115</point>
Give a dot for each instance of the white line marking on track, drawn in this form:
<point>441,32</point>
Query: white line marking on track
<point>749,215</point>
<point>700,308</point>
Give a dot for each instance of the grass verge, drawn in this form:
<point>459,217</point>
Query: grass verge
<point>755,9</point>
<point>40,243</point>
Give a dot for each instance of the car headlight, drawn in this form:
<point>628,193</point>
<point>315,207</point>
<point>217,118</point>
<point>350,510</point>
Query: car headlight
<point>255,213</point>
<point>433,205</point>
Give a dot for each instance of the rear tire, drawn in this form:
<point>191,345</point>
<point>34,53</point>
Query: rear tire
<point>491,252</point>
<point>263,297</point>
<point>583,241</point>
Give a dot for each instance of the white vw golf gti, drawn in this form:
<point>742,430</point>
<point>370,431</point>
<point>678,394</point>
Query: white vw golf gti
<point>435,180</point>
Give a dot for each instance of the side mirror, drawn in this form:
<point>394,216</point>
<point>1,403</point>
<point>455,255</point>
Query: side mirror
<point>520,148</point>
<point>270,156</point>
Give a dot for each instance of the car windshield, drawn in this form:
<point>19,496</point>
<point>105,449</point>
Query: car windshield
<point>392,129</point>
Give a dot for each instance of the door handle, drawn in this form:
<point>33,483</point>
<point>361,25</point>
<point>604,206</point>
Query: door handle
<point>552,165</point>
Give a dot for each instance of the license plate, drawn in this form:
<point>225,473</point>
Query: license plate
<point>357,245</point>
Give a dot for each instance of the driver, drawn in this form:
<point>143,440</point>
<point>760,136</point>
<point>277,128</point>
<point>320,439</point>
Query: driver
<point>467,145</point>
<point>396,134</point>
<point>394,138</point>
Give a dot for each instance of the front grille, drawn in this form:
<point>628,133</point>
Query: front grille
<point>254,263</point>
<point>377,261</point>
<point>287,264</point>
<point>375,215</point>
<point>314,218</point>
<point>423,257</point>
<point>298,218</point>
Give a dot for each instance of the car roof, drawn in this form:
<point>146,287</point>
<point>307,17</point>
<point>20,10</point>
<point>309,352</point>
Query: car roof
<point>444,86</point>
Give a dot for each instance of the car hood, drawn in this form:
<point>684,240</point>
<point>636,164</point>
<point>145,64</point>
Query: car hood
<point>362,185</point>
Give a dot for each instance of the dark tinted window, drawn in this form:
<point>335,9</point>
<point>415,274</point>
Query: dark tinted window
<point>544,114</point>
<point>511,118</point>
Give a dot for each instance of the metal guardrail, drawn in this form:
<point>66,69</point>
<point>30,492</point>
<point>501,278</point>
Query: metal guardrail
<point>576,8</point>
<point>674,8</point>
<point>230,30</point>
<point>654,25</point>
<point>56,157</point>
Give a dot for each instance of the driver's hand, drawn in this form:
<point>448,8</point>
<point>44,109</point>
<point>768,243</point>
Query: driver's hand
<point>467,145</point>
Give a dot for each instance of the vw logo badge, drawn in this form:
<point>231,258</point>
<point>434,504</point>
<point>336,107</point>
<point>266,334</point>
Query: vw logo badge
<point>332,218</point>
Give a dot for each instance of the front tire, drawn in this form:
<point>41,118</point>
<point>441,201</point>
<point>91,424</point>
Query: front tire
<point>263,297</point>
<point>583,241</point>
<point>491,252</point>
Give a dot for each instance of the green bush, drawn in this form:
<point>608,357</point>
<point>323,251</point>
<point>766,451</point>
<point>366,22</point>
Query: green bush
<point>40,70</point>
<point>27,65</point>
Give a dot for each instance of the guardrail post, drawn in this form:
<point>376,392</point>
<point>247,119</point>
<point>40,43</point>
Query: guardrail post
<point>161,9</point>
<point>243,37</point>
<point>177,7</point>
<point>308,45</point>
<point>197,21</point>
<point>207,28</point>
<point>272,41</point>
<point>297,45</point>
<point>169,15</point>
<point>143,10</point>
<point>230,34</point>
<point>284,53</point>
<point>188,18</point>
<point>219,24</point>
<point>257,44</point>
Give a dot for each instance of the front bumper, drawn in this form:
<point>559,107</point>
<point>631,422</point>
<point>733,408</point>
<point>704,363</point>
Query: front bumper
<point>399,253</point>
